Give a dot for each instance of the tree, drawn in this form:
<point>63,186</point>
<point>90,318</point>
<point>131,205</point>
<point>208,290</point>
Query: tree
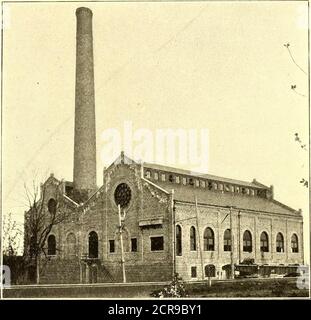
<point>303,146</point>
<point>40,219</point>
<point>11,236</point>
<point>304,182</point>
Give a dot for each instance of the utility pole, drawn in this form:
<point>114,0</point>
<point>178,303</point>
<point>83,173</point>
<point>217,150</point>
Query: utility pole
<point>232,247</point>
<point>121,244</point>
<point>199,235</point>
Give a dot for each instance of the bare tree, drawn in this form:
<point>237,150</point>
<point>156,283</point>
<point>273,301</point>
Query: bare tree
<point>39,222</point>
<point>304,182</point>
<point>12,236</point>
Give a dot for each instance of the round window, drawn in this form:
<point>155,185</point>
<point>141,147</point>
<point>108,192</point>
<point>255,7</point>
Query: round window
<point>122,195</point>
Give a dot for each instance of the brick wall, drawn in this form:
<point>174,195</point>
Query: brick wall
<point>149,203</point>
<point>219,220</point>
<point>100,214</point>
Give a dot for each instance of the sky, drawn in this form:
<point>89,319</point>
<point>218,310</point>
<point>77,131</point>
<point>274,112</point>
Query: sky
<point>220,66</point>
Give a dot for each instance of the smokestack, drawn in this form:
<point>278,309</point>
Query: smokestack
<point>84,168</point>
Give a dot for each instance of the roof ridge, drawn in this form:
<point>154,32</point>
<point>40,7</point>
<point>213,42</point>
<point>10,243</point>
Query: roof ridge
<point>202,175</point>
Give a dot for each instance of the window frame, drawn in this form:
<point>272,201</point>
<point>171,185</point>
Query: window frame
<point>191,272</point>
<point>206,269</point>
<point>277,242</point>
<point>134,240</point>
<point>52,236</point>
<point>50,207</point>
<point>112,244</point>
<point>247,243</point>
<point>209,245</point>
<point>296,248</point>
<point>193,239</point>
<point>157,236</point>
<point>178,236</point>
<point>264,244</point>
<point>227,241</point>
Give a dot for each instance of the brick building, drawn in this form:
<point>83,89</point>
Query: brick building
<point>197,225</point>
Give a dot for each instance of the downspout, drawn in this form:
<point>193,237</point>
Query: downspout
<point>239,235</point>
<point>173,232</point>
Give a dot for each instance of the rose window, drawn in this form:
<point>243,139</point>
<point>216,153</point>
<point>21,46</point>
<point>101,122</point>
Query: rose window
<point>122,195</point>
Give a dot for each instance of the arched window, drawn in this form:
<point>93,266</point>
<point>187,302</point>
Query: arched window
<point>227,240</point>
<point>93,245</point>
<point>71,245</point>
<point>294,243</point>
<point>264,242</point>
<point>279,242</point>
<point>51,245</point>
<point>178,241</point>
<point>210,270</point>
<point>209,242</point>
<point>52,204</point>
<point>193,239</point>
<point>247,242</point>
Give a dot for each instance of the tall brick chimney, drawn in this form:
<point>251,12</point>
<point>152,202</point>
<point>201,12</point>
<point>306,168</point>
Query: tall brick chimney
<point>84,168</point>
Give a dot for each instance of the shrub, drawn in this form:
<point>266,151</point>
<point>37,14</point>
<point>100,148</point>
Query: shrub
<point>176,289</point>
<point>279,289</point>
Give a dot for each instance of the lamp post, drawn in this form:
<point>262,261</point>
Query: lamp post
<point>121,218</point>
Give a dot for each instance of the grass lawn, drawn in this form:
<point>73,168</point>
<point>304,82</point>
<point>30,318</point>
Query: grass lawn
<point>250,288</point>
